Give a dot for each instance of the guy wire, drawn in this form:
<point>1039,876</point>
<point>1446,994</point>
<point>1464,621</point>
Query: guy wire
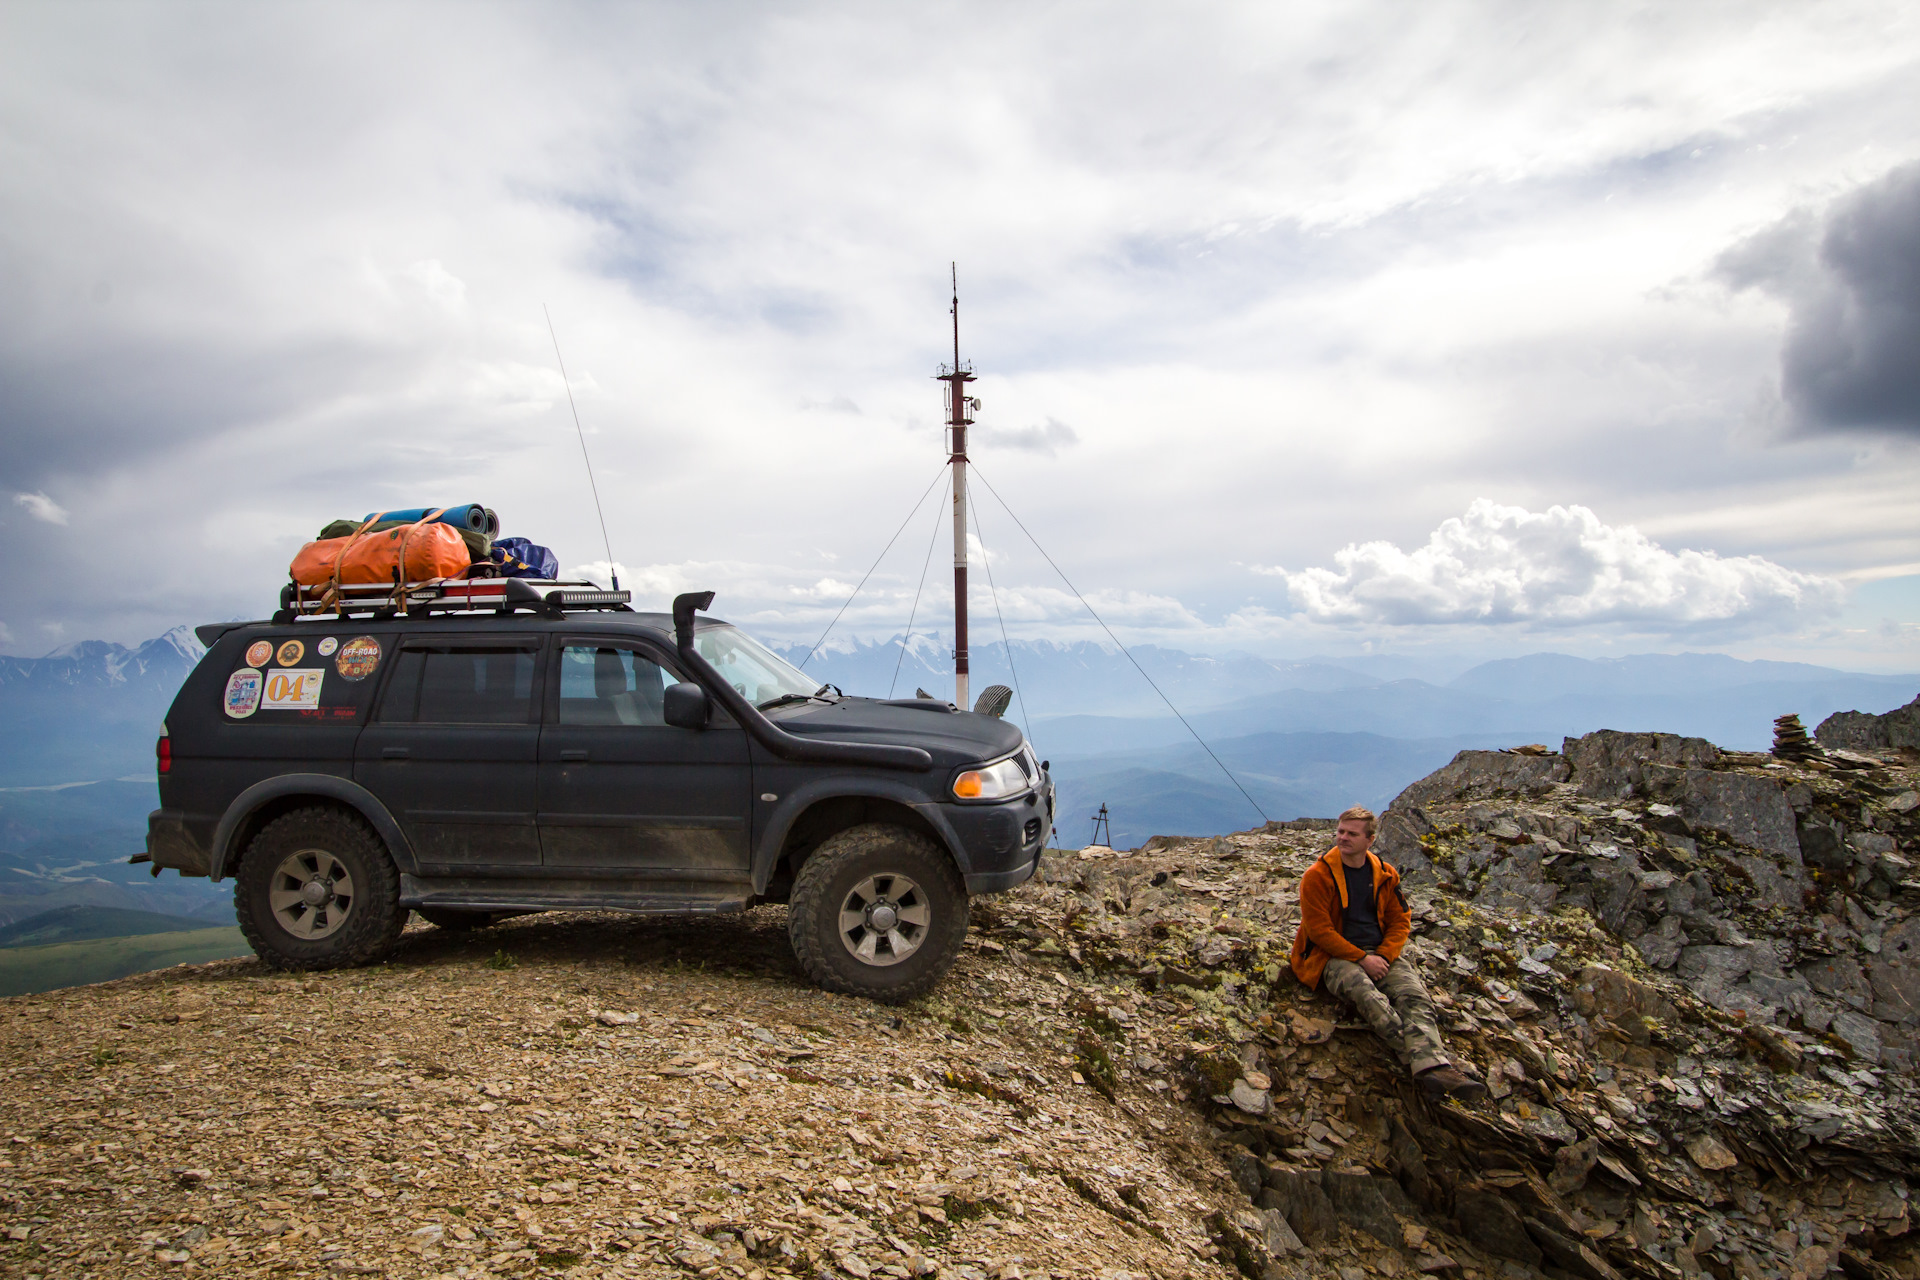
<point>986,562</point>
<point>1123,648</point>
<point>876,563</point>
<point>581,432</point>
<point>915,613</point>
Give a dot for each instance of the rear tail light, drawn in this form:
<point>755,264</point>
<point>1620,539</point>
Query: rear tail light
<point>163,753</point>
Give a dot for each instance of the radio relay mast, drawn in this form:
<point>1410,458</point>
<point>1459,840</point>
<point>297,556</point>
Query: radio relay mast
<point>960,408</point>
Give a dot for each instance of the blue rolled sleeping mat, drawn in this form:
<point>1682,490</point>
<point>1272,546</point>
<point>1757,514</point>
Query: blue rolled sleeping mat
<point>470,516</point>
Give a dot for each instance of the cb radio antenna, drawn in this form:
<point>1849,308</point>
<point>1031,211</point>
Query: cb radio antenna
<point>581,432</point>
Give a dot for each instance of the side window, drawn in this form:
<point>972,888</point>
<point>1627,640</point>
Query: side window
<point>605,685</point>
<point>462,684</point>
<point>397,704</point>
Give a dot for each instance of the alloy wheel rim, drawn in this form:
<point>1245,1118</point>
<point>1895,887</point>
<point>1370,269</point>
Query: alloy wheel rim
<point>884,919</point>
<point>311,894</point>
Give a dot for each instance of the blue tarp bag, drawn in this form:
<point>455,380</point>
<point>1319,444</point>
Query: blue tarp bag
<point>519,558</point>
<point>470,515</point>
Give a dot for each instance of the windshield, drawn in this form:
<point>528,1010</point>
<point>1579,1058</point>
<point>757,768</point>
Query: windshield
<point>760,675</point>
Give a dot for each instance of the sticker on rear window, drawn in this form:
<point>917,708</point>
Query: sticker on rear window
<point>259,653</point>
<point>359,657</point>
<point>326,646</point>
<point>293,690</point>
<point>243,693</point>
<point>291,652</point>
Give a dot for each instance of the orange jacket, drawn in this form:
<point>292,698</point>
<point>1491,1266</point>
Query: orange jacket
<point>1323,901</point>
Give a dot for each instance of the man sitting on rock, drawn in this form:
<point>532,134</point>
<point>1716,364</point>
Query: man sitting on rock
<point>1353,927</point>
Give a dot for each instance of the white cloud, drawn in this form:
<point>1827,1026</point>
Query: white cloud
<point>1047,438</point>
<point>1559,567</point>
<point>329,296</point>
<point>439,284</point>
<point>41,507</point>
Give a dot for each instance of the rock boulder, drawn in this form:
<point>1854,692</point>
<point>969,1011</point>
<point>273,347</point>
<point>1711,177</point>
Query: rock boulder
<point>1861,731</point>
<point>1608,764</point>
<point>1749,810</point>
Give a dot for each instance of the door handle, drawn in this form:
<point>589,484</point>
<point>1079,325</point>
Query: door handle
<point>573,755</point>
<point>394,753</point>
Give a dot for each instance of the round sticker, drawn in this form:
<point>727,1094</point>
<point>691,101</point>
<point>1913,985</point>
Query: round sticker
<point>243,693</point>
<point>326,646</point>
<point>259,653</point>
<point>358,658</point>
<point>291,652</point>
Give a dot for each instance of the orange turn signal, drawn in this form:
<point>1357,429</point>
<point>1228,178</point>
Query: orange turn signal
<point>969,784</point>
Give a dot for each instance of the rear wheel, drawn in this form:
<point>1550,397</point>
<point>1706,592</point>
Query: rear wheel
<point>877,911</point>
<point>316,890</point>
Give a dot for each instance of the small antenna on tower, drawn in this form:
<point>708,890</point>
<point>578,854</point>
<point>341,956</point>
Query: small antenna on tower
<point>578,430</point>
<point>959,411</point>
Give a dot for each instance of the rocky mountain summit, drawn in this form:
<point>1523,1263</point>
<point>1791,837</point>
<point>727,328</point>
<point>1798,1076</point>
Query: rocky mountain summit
<point>1686,976</point>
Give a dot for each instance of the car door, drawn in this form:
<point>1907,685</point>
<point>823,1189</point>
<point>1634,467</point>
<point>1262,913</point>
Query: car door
<point>622,791</point>
<point>453,750</point>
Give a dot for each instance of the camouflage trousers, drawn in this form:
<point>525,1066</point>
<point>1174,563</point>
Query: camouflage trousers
<point>1397,1008</point>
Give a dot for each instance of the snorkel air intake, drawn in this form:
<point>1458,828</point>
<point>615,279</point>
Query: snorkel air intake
<point>788,746</point>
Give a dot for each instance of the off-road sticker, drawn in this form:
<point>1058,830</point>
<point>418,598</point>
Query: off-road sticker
<point>359,658</point>
<point>259,653</point>
<point>326,646</point>
<point>293,690</point>
<point>291,652</point>
<point>243,692</point>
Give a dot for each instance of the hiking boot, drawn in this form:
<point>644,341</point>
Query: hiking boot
<point>1450,1083</point>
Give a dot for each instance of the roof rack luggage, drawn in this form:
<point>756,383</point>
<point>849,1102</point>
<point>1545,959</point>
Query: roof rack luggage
<point>552,597</point>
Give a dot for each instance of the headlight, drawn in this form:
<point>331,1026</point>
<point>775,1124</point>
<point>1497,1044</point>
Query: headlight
<point>993,782</point>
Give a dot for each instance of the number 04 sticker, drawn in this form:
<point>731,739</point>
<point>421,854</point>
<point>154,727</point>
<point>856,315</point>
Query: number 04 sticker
<point>293,689</point>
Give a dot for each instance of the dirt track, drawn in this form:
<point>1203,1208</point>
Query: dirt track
<point>465,1108</point>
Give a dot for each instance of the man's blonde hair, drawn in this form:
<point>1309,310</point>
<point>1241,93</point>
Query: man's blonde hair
<point>1360,813</point>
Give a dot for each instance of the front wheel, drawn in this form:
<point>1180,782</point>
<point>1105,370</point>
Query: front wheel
<point>877,911</point>
<point>316,890</point>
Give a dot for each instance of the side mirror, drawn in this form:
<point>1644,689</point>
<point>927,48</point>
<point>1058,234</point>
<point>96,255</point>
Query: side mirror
<point>685,706</point>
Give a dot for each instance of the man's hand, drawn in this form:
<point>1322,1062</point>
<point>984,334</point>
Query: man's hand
<point>1374,966</point>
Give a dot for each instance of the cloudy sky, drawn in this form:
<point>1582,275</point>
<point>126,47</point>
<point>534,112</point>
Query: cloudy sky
<point>1449,329</point>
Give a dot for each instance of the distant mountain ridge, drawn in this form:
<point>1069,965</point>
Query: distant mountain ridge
<point>91,710</point>
<point>83,924</point>
<point>104,664</point>
<point>1542,675</point>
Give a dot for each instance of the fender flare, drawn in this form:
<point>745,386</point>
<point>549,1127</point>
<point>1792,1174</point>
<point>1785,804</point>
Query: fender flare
<point>767,852</point>
<point>321,786</point>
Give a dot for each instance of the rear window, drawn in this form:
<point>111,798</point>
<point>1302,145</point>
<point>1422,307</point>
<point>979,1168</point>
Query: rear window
<point>311,678</point>
<point>462,684</point>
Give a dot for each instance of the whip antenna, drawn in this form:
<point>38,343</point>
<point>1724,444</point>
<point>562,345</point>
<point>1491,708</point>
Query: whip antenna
<point>578,430</point>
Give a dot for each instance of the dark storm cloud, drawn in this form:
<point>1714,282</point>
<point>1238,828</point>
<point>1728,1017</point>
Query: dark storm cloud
<point>1851,280</point>
<point>79,411</point>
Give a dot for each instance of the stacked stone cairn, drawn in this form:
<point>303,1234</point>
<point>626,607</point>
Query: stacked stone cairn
<point>1790,740</point>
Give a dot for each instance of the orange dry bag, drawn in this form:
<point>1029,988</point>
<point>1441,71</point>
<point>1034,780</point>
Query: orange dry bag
<point>432,550</point>
<point>313,565</point>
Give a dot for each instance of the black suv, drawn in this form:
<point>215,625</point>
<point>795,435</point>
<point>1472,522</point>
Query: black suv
<point>476,765</point>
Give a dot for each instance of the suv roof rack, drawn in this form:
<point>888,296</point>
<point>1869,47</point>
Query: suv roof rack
<point>551,597</point>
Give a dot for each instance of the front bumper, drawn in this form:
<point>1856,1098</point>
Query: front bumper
<point>1003,842</point>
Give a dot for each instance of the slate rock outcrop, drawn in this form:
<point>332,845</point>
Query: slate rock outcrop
<point>1863,731</point>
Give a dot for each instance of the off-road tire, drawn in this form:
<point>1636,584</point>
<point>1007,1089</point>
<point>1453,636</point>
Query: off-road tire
<point>850,859</point>
<point>454,918</point>
<point>373,917</point>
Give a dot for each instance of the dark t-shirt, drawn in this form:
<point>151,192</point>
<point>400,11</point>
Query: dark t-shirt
<point>1361,924</point>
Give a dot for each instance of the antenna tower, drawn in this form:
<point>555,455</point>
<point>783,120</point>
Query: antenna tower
<point>960,407</point>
